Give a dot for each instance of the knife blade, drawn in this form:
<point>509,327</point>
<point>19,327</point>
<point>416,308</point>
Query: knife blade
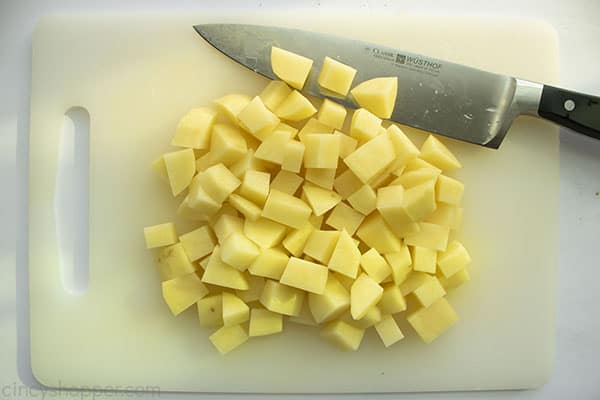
<point>435,95</point>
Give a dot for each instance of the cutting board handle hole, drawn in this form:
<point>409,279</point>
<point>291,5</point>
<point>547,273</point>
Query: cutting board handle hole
<point>71,200</point>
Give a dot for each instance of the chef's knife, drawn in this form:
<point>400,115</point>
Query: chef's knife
<point>435,95</point>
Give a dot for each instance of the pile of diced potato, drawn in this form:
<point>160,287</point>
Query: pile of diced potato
<point>299,220</point>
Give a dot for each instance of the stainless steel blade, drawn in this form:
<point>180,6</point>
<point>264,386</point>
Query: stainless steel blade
<point>435,95</point>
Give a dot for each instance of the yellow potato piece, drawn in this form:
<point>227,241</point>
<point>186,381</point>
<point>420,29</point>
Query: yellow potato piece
<point>193,129</point>
<point>448,190</point>
<point>455,280</point>
<point>434,320</point>
<point>232,104</point>
<point>173,262</point>
<point>274,94</point>
<point>346,257</point>
<point>281,299</point>
<point>332,114</point>
<point>424,259</point>
<point>454,259</point>
<point>257,119</point>
<point>217,181</point>
<point>264,322</point>
<point>289,67</point>
<point>414,178</point>
<point>160,168</point>
<point>364,125</point>
<point>270,148</point>
<point>390,201</point>
<point>343,335</point>
<point>375,265</point>
<point>371,158</point>
<point>226,225</point>
<point>304,317</point>
<point>264,232</point>
<point>295,107</point>
<point>198,243</point>
<point>429,292</point>
<point>404,147</point>
<point>431,236</point>
<point>182,292</point>
<point>313,126</point>
<point>227,144</point>
<point>413,281</point>
<point>235,311</point>
<point>364,294</point>
<point>419,201</point>
<point>195,214</point>
<point>160,235</point>
<point>345,217</point>
<point>255,186</point>
<point>321,200</point>
<point>392,301</point>
<point>248,162</point>
<point>219,273</point>
<point>286,209</point>
<point>377,234</point>
<point>228,338</point>
<point>336,76</point>
<point>436,153</point>
<point>238,251</point>
<point>321,150</point>
<point>210,311</point>
<point>296,239</point>
<point>364,200</point>
<point>320,245</point>
<point>293,156</point>
<point>377,95</point>
<point>446,215</point>
<point>372,317</point>
<point>305,275</point>
<point>255,288</point>
<point>400,262</point>
<point>250,210</point>
<point>331,303</point>
<point>388,331</point>
<point>323,177</point>
<point>286,182</point>
<point>181,167</point>
<point>270,263</point>
<point>347,143</point>
<point>346,184</point>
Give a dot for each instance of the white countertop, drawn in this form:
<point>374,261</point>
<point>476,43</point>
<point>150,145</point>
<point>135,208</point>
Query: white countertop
<point>578,321</point>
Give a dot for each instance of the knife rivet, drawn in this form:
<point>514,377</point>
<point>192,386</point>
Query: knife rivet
<point>569,105</point>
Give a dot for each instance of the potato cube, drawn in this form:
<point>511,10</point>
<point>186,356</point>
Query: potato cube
<point>160,168</point>
<point>377,234</point>
<point>296,239</point>
<point>424,259</point>
<point>255,288</point>
<point>226,225</point>
<point>364,294</point>
<point>413,178</point>
<point>304,318</point>
<point>371,158</point>
<point>305,275</point>
<point>228,338</point>
<point>448,190</point>
<point>249,162</point>
<point>377,95</point>
<point>290,67</point>
<point>404,147</point>
<point>271,147</point>
<point>343,335</point>
<point>210,311</point>
<point>217,181</point>
<point>323,177</point>
<point>346,184</point>
<point>419,201</point>
<point>347,144</point>
<point>372,317</point>
<point>193,129</point>
<point>455,280</point>
<point>199,204</point>
<point>264,322</point>
<point>181,167</point>
<point>364,125</point>
<point>400,263</point>
<point>286,209</point>
<point>232,104</point>
<point>431,236</point>
<point>257,119</point>
<point>446,215</point>
<point>345,217</point>
<point>320,245</point>
<point>454,259</point>
<point>429,292</point>
<point>250,210</point>
<point>281,299</point>
<point>196,214</point>
<point>227,144</point>
<point>364,200</point>
<point>239,251</point>
<point>282,126</point>
<point>388,331</point>
<point>274,93</point>
<point>390,202</point>
<point>336,76</point>
<point>160,235</point>
<point>322,150</point>
<point>198,243</point>
<point>264,232</point>
<point>345,258</point>
<point>331,304</point>
<point>293,156</point>
<point>270,263</point>
<point>295,107</point>
<point>413,281</point>
<point>434,320</point>
<point>313,126</point>
<point>375,265</point>
<point>286,182</point>
<point>321,200</point>
<point>219,273</point>
<point>436,153</point>
<point>173,262</point>
<point>235,311</point>
<point>332,114</point>
<point>255,186</point>
<point>181,292</point>
<point>392,301</point>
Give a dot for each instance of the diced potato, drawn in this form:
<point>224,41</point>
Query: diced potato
<point>193,129</point>
<point>198,243</point>
<point>322,150</point>
<point>219,273</point>
<point>227,144</point>
<point>392,301</point>
<point>388,331</point>
<point>345,217</point>
<point>377,234</point>
<point>364,294</point>
<point>347,143</point>
<point>429,292</point>
<point>217,181</point>
<point>183,291</point>
<point>250,210</point>
<point>270,148</point>
<point>160,168</point>
<point>255,186</point>
<point>400,262</point>
<point>364,200</point>
<point>274,94</point>
<point>295,107</point>
<point>248,162</point>
<point>448,190</point>
<point>255,288</point>
<point>446,215</point>
<point>321,200</point>
<point>436,153</point>
<point>296,239</point>
<point>377,95</point>
<point>270,263</point>
<point>228,338</point>
<point>375,265</point>
<point>434,320</point>
<point>238,251</point>
<point>313,126</point>
<point>305,317</point>
<point>424,259</point>
<point>343,335</point>
<point>232,104</point>
<point>413,178</point>
<point>173,262</point>
<point>305,275</point>
<point>281,299</point>
<point>431,236</point>
<point>286,182</point>
<point>454,259</point>
<point>195,214</point>
<point>289,67</point>
<point>455,280</point>
<point>200,203</point>
<point>418,163</point>
<point>210,311</point>
<point>235,311</point>
<point>286,209</point>
<point>286,128</point>
<point>264,232</point>
<point>345,258</point>
<point>364,125</point>
<point>413,281</point>
<point>226,225</point>
<point>331,304</point>
<point>372,317</point>
<point>419,201</point>
<point>371,158</point>
<point>320,245</point>
<point>293,156</point>
<point>181,167</point>
<point>347,183</point>
<point>323,177</point>
<point>160,235</point>
<point>257,119</point>
<point>264,322</point>
<point>390,201</point>
<point>336,76</point>
<point>332,114</point>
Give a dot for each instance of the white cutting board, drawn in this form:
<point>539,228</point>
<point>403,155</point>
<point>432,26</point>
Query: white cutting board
<point>136,75</point>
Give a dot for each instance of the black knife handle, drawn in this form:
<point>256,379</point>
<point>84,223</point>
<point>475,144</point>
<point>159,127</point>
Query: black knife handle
<point>577,111</point>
